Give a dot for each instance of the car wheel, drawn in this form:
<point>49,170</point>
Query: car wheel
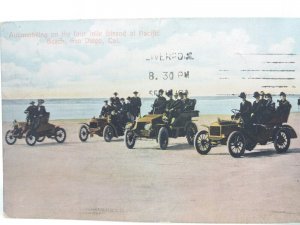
<point>236,144</point>
<point>191,131</point>
<point>10,138</point>
<point>202,142</point>
<point>163,138</point>
<point>60,135</point>
<point>129,139</point>
<point>30,138</point>
<point>108,133</point>
<point>83,133</point>
<point>41,139</point>
<point>282,141</point>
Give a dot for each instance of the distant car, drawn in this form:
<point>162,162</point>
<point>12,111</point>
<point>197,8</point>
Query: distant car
<point>42,129</point>
<point>158,127</point>
<point>108,127</point>
<point>239,138</point>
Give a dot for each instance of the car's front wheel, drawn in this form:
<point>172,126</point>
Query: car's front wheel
<point>129,139</point>
<point>202,142</point>
<point>236,144</point>
<point>10,138</point>
<point>163,138</point>
<point>282,141</point>
<point>83,133</point>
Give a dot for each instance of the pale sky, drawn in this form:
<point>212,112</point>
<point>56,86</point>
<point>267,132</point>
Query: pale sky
<point>46,60</point>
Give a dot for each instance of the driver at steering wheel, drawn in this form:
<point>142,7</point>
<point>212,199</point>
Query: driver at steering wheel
<point>245,109</point>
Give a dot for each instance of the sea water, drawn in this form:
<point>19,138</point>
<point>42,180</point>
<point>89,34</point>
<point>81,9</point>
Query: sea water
<point>89,107</point>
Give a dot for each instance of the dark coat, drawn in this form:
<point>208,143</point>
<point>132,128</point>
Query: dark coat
<point>105,111</point>
<point>245,110</point>
<point>136,105</point>
<point>159,105</point>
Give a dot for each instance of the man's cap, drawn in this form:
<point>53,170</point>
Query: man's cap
<point>268,95</point>
<point>161,91</point>
<point>105,101</point>
<point>135,92</point>
<point>115,93</point>
<point>256,94</point>
<point>242,95</point>
<point>122,99</point>
<point>180,93</point>
<point>32,102</point>
<point>128,98</point>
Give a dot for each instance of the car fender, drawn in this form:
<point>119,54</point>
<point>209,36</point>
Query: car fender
<point>290,130</point>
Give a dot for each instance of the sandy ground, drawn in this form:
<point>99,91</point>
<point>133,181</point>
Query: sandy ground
<point>106,181</point>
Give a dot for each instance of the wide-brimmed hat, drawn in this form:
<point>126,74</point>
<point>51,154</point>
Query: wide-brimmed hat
<point>268,95</point>
<point>256,94</point>
<point>282,94</point>
<point>135,92</point>
<point>115,93</point>
<point>242,95</point>
<point>32,102</point>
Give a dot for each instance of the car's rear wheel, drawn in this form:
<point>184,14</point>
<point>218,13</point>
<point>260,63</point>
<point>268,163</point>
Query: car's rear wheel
<point>108,133</point>
<point>202,142</point>
<point>129,139</point>
<point>163,138</point>
<point>84,133</point>
<point>236,144</point>
<point>191,131</point>
<point>282,141</point>
<point>30,138</point>
<point>10,138</point>
<point>60,135</point>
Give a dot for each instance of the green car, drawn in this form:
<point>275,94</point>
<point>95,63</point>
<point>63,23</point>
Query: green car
<point>161,128</point>
<point>239,137</point>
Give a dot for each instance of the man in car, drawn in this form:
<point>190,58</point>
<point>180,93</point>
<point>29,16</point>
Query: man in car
<point>31,112</point>
<point>269,108</point>
<point>245,109</point>
<point>136,104</point>
<point>257,108</point>
<point>159,105</point>
<point>284,104</point>
<point>106,109</point>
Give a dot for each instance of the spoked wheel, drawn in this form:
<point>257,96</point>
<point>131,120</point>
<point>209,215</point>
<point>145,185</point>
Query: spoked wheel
<point>236,144</point>
<point>108,133</point>
<point>129,139</point>
<point>60,135</point>
<point>282,141</point>
<point>191,131</point>
<point>202,142</point>
<point>30,138</point>
<point>10,138</point>
<point>163,138</point>
<point>41,139</point>
<point>83,133</point>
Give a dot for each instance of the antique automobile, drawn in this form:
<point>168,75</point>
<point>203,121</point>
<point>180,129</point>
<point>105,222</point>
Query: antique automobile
<point>107,127</point>
<point>41,129</point>
<point>238,137</point>
<point>159,127</point>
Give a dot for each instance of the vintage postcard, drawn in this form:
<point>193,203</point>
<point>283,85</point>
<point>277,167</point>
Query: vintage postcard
<point>152,120</point>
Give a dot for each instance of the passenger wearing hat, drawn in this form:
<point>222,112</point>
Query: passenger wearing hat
<point>106,109</point>
<point>170,101</point>
<point>262,98</point>
<point>245,109</point>
<point>41,110</point>
<point>128,109</point>
<point>159,105</point>
<point>136,104</point>
<point>284,104</point>
<point>31,111</point>
<point>257,108</point>
<point>116,100</point>
<point>269,109</point>
<point>189,104</point>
